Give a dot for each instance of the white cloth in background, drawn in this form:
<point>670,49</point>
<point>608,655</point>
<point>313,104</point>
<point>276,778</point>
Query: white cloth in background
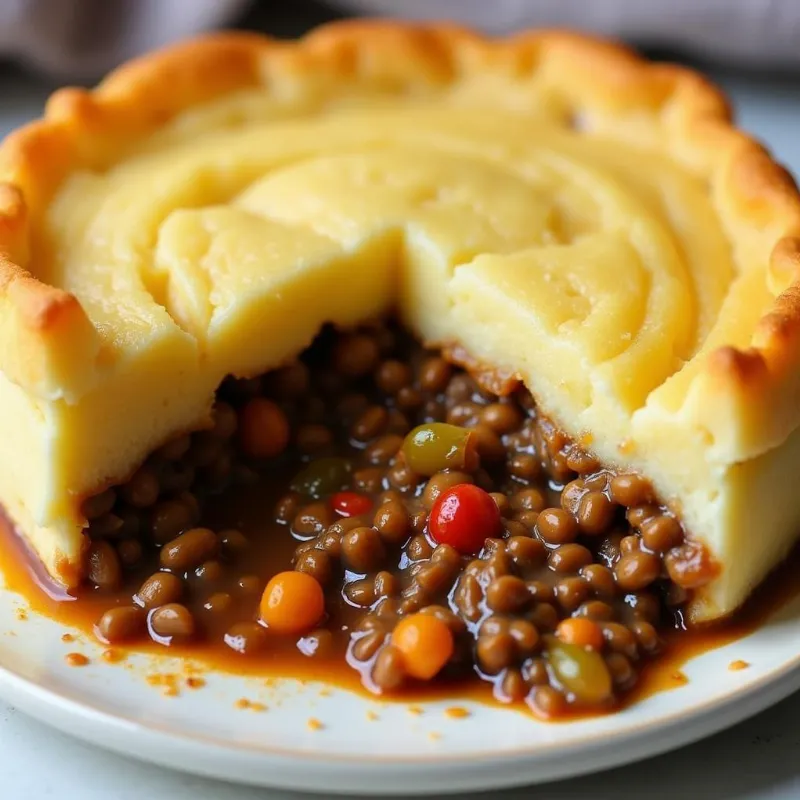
<point>81,39</point>
<point>763,33</point>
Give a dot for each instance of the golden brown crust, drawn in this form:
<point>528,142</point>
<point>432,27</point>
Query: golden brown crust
<point>757,201</point>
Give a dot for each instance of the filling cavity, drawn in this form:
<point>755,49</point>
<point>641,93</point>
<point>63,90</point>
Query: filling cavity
<point>374,503</point>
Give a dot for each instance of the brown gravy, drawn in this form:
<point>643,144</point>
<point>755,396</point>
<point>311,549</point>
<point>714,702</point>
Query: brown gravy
<point>272,553</point>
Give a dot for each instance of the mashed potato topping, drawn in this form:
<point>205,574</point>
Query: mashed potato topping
<point>607,238</point>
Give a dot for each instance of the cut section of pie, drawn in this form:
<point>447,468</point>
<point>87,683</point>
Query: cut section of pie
<point>549,206</point>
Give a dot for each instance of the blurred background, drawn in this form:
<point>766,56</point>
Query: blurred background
<point>751,47</point>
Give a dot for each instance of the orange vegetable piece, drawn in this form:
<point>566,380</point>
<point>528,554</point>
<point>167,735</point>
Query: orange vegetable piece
<point>426,644</point>
<point>263,428</point>
<point>580,631</point>
<point>292,603</point>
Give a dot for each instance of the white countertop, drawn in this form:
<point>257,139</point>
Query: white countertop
<point>753,761</point>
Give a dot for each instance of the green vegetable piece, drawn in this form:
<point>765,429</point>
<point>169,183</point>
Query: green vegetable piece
<point>580,671</point>
<point>322,477</point>
<point>436,446</point>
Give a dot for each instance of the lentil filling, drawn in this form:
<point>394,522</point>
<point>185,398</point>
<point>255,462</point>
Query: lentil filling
<point>425,529</point>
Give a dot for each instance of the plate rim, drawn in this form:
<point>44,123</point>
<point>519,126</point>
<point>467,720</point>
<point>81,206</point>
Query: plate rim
<point>775,676</point>
<point>283,768</point>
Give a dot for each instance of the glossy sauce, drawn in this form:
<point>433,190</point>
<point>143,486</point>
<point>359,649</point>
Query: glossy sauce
<point>249,509</point>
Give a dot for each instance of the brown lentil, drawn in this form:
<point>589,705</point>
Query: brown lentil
<point>541,591</point>
<point>204,450</point>
<point>121,624</point>
<point>209,571</point>
<point>388,672</point>
<point>170,518</point>
<point>291,381</point>
<point>159,589</point>
<point>287,508</point>
<point>526,552</point>
<point>409,399</point>
<point>571,592</point>
<point>189,549</point>
<point>547,701</point>
<point>172,621</point>
<point>507,594</point>
<point>368,645</point>
<point>369,479</point>
<point>363,550</point>
<point>142,489</point>
<point>621,669</point>
<point>596,610</point>
<point>527,518</point>
<point>600,579</point>
<point>534,672</point>
<point>501,417</point>
<point>109,525</point>
<point>130,552</point>
<point>646,635</point>
<point>246,638</point>
<point>434,375</point>
<point>630,490</point>
<point>544,616</point>
<point>636,515</point>
<point>312,520</point>
<point>402,477</point>
<point>495,652</point>
<point>218,603</point>
<point>98,504</point>
<point>630,544</point>
<point>104,568</point>
<point>528,500</point>
<point>176,448</point>
<point>571,496</point>
<point>316,563</point>
<point>233,542</point>
<point>661,533</point>
<point>313,437</point>
<point>391,522</point>
<point>226,421</point>
<point>356,355</point>
<point>635,571</point>
<point>419,521</point>
<point>555,526</point>
<point>620,639</point>
<point>249,584</point>
<point>644,606</point>
<point>524,467</point>
<point>372,423</point>
<point>525,635</point>
<point>595,513</point>
<point>177,476</point>
<point>263,429</point>
<point>568,558</point>
<point>488,444</point>
<point>392,375</point>
<point>383,450</point>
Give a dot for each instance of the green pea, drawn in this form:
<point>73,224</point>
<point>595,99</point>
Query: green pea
<point>580,671</point>
<point>436,446</point>
<point>322,477</point>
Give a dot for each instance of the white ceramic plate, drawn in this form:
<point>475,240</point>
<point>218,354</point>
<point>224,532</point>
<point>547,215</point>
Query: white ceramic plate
<point>366,746</point>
